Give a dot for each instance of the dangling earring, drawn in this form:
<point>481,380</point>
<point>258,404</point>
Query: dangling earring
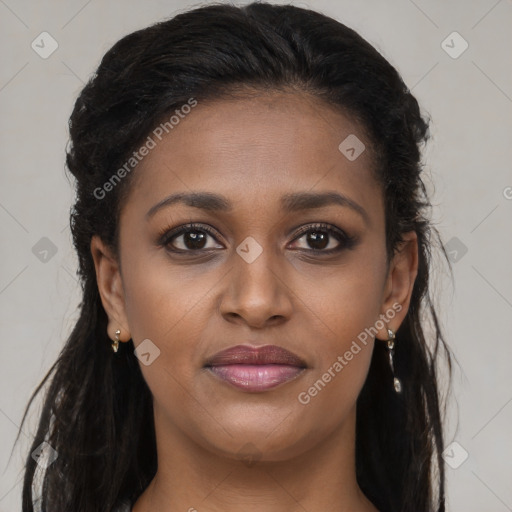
<point>115,343</point>
<point>390,343</point>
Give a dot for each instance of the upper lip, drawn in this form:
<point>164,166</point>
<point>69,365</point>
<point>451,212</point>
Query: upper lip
<point>244,354</point>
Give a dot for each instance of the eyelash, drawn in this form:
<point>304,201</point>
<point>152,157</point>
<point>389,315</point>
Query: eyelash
<point>167,234</point>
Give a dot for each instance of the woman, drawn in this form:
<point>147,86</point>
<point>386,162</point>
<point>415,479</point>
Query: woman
<point>254,253</point>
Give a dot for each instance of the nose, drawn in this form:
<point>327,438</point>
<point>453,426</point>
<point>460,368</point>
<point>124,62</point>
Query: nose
<point>257,293</point>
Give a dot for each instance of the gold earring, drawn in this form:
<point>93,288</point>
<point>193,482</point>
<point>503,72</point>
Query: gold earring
<point>390,343</point>
<point>115,343</point>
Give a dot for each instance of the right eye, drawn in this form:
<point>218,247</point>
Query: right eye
<point>189,238</point>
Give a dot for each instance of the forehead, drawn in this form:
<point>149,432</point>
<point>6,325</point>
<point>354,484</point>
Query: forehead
<point>255,147</point>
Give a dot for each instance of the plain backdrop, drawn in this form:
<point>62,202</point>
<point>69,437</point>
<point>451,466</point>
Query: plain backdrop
<point>454,56</point>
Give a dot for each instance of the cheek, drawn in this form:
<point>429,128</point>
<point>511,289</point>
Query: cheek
<point>160,298</point>
<point>345,310</point>
<point>167,306</point>
<point>347,301</point>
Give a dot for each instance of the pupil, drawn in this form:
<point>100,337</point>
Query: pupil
<point>318,240</point>
<point>194,240</point>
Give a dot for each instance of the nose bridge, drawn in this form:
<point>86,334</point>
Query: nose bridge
<point>253,262</point>
<point>256,292</point>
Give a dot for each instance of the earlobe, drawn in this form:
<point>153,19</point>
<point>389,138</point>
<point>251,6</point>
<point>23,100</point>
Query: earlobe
<point>110,287</point>
<point>400,281</point>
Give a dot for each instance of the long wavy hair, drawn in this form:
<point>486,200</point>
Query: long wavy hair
<point>97,411</point>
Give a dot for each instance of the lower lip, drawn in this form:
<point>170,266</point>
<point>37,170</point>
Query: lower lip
<point>256,377</point>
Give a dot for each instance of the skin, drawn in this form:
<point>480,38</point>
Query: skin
<point>253,150</point>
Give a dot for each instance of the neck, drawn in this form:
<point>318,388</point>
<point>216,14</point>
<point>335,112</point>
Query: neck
<point>190,477</point>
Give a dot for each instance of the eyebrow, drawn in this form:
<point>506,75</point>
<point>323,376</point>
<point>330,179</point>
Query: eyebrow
<point>293,202</point>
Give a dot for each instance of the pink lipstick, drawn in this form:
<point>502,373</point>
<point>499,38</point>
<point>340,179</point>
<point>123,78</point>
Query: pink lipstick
<point>256,369</point>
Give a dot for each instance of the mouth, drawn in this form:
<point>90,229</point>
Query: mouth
<point>256,369</point>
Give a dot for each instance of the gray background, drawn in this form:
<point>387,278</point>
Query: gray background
<point>468,160</point>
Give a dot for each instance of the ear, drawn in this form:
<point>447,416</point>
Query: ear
<point>402,273</point>
<point>110,287</point>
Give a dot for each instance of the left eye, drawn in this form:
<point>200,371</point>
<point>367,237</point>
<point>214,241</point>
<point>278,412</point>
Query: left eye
<point>323,238</point>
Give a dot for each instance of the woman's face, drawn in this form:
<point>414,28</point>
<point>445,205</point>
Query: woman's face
<point>255,270</point>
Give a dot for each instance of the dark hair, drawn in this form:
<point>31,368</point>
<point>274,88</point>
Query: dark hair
<point>97,412</point>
